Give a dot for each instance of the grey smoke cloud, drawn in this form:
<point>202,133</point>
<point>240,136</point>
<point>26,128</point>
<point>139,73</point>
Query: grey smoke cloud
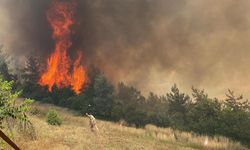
<point>146,43</point>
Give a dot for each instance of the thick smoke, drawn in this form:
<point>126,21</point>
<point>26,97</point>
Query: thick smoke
<point>146,43</point>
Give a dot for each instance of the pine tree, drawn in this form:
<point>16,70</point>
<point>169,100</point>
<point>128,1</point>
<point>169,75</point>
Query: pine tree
<point>4,70</point>
<point>103,97</point>
<point>178,107</point>
<point>31,71</point>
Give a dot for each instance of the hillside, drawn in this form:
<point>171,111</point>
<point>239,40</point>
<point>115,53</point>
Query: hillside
<point>75,134</point>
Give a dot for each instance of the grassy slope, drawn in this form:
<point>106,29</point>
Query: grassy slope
<point>75,134</point>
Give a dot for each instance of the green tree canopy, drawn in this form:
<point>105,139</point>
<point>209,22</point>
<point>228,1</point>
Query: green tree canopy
<point>8,106</point>
<point>103,96</point>
<point>31,71</point>
<point>4,70</point>
<point>178,107</point>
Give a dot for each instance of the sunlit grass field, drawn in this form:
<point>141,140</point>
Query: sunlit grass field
<point>75,134</point>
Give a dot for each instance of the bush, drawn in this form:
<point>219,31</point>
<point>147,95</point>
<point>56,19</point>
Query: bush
<point>53,118</point>
<point>35,111</point>
<point>47,100</point>
<point>8,106</point>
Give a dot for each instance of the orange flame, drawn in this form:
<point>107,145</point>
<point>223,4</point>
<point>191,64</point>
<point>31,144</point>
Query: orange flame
<point>60,18</point>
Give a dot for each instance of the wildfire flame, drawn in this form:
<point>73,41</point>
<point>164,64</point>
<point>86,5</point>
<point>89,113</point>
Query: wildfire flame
<point>61,71</point>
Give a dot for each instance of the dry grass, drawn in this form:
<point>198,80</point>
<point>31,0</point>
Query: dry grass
<point>75,134</point>
<point>192,140</point>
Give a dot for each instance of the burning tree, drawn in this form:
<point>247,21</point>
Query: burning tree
<point>59,66</point>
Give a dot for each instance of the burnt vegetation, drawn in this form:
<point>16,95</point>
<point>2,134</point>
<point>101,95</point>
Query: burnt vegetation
<point>196,112</point>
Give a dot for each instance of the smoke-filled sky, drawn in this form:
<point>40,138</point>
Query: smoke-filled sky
<point>150,44</point>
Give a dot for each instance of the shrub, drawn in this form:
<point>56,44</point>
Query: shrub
<point>47,100</point>
<point>35,111</point>
<point>53,118</point>
<point>8,106</point>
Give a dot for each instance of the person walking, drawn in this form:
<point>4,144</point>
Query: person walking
<point>92,122</point>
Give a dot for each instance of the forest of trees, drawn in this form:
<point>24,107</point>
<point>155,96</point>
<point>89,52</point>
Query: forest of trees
<point>196,112</point>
